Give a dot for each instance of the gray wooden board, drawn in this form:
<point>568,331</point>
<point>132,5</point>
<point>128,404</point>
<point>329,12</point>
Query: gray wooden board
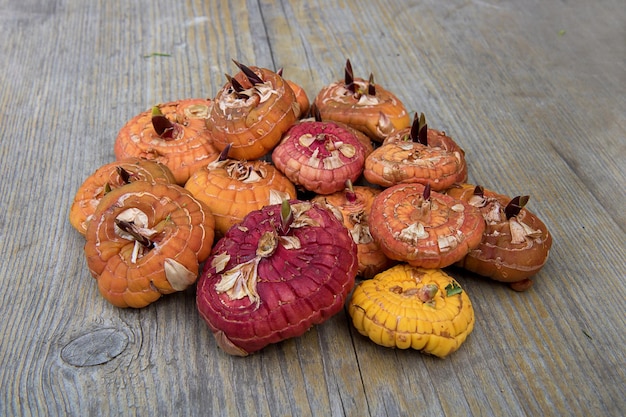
<point>534,91</point>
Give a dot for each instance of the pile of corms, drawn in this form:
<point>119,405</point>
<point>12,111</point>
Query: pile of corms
<point>274,206</point>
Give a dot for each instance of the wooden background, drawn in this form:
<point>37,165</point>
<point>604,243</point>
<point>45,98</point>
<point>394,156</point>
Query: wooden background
<point>534,90</point>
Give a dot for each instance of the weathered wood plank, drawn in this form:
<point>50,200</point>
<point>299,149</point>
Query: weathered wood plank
<point>530,89</point>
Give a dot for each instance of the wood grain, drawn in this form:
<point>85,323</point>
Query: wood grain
<point>532,90</point>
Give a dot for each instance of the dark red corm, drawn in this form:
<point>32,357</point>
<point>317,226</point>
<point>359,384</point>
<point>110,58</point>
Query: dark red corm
<point>283,269</point>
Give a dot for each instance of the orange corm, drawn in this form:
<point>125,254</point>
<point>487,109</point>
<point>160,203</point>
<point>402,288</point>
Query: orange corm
<point>146,240</point>
<point>354,204</point>
<point>251,112</point>
<point>302,99</point>
<point>419,132</point>
<point>411,162</point>
<point>515,244</point>
<point>232,188</point>
<point>108,177</point>
<point>363,105</point>
<point>424,228</point>
<point>417,155</point>
<point>304,105</point>
<point>174,134</point>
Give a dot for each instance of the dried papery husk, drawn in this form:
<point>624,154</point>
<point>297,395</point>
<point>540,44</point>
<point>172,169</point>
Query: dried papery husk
<point>233,188</point>
<point>184,149</point>
<point>319,156</point>
<point>406,162</point>
<point>262,285</point>
<point>355,204</point>
<point>254,119</point>
<point>432,232</point>
<point>304,105</point>
<point>512,250</point>
<point>108,177</point>
<point>375,115</point>
<point>408,307</point>
<point>171,234</point>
